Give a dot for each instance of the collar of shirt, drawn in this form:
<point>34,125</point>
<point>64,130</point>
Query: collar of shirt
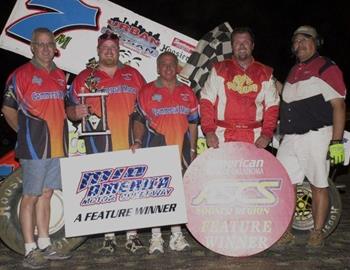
<point>310,59</point>
<point>158,83</point>
<point>38,65</point>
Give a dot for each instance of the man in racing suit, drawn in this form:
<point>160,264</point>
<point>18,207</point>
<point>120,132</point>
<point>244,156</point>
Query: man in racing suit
<point>239,101</point>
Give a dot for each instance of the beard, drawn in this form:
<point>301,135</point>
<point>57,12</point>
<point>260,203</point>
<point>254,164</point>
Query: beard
<point>243,56</point>
<point>108,62</point>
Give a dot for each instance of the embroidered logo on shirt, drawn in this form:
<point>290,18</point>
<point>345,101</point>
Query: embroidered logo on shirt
<point>37,80</point>
<point>185,97</point>
<point>157,97</point>
<point>127,76</point>
<point>61,82</point>
<point>242,84</point>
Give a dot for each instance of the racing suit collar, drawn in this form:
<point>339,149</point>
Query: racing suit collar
<point>234,60</point>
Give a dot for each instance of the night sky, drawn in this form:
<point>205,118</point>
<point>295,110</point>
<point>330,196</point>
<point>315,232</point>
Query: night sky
<point>273,25</point>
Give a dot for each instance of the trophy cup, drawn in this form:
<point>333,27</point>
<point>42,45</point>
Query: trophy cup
<point>92,124</point>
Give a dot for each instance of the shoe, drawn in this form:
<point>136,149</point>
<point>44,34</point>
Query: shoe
<point>54,254</point>
<point>134,244</point>
<point>35,260</point>
<point>316,239</point>
<point>178,242</point>
<point>287,239</point>
<point>109,246</point>
<point>156,244</point>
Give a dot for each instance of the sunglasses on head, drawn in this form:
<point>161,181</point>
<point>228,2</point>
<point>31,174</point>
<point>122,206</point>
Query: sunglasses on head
<point>108,35</point>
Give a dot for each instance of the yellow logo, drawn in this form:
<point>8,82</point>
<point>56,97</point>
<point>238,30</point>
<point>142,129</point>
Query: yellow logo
<point>242,84</point>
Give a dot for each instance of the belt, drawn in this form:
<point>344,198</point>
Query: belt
<point>238,125</point>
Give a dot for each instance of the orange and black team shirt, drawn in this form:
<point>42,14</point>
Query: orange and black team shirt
<point>38,96</point>
<point>168,114</point>
<point>122,91</point>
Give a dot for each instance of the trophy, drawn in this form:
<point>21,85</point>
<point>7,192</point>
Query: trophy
<point>92,124</point>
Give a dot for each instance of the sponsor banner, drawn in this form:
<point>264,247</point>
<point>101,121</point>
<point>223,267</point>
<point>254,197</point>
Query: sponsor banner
<point>141,39</point>
<point>76,145</point>
<point>119,191</point>
<point>239,199</point>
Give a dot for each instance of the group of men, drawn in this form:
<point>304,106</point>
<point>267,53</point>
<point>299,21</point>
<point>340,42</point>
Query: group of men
<point>239,102</point>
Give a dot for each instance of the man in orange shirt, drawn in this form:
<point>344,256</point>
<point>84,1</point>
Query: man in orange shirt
<point>169,110</point>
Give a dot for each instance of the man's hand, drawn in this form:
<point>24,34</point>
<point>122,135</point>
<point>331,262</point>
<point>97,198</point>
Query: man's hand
<point>212,140</point>
<point>193,154</point>
<point>77,112</point>
<point>136,145</point>
<point>262,141</point>
<point>336,153</point>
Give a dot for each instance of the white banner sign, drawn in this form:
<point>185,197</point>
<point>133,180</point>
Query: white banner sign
<point>77,24</point>
<point>120,190</point>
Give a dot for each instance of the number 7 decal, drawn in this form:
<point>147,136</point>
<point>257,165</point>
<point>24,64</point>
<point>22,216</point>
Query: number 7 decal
<point>56,15</point>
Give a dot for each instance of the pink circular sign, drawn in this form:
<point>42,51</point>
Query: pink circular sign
<point>239,199</point>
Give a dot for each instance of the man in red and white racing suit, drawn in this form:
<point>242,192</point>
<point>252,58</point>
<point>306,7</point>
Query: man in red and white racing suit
<point>239,101</point>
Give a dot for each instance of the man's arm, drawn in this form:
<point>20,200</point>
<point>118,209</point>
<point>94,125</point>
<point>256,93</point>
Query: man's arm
<point>209,95</point>
<point>336,151</point>
<point>11,116</point>
<point>138,129</point>
<point>193,128</point>
<point>339,114</point>
<point>271,101</point>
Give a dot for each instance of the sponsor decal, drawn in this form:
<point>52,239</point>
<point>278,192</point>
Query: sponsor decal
<point>127,76</point>
<point>47,95</point>
<point>37,80</point>
<point>134,36</point>
<point>185,97</point>
<point>242,84</point>
<point>233,197</point>
<point>122,184</point>
<point>120,89</point>
<point>171,110</point>
<point>183,45</point>
<point>157,97</point>
<point>56,15</point>
<point>179,54</point>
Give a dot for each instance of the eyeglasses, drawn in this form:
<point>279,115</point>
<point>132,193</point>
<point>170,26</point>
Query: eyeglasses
<point>42,45</point>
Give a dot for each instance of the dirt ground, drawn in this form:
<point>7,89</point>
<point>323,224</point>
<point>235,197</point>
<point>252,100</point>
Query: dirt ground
<point>334,255</point>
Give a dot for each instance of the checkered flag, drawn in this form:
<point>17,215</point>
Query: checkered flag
<point>214,47</point>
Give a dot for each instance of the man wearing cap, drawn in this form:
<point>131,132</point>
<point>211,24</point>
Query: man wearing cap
<point>239,101</point>
<point>312,120</point>
<point>122,83</point>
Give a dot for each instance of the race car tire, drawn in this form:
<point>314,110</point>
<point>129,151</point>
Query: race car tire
<point>303,219</point>
<point>10,230</point>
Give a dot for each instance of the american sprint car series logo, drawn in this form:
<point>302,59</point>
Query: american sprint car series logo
<point>247,192</point>
<point>123,184</point>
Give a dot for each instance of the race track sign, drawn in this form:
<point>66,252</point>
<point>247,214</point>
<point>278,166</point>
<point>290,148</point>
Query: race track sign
<point>239,199</point>
<point>119,191</point>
